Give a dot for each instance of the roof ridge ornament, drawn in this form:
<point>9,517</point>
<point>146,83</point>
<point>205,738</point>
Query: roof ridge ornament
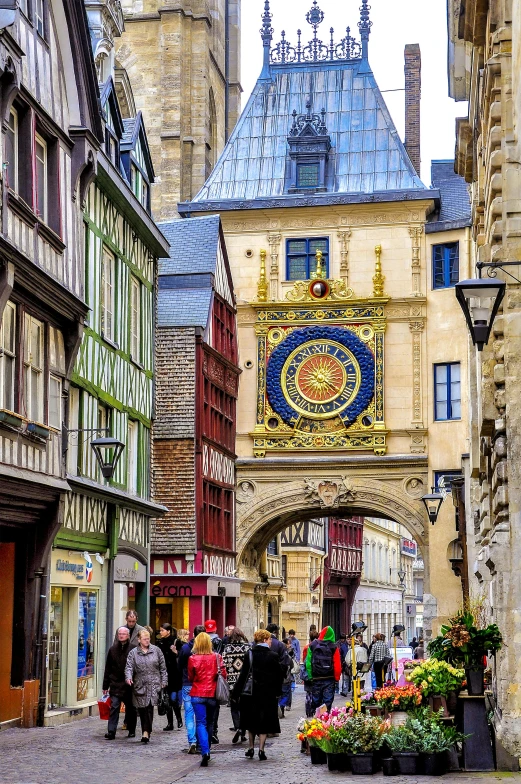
<point>302,121</point>
<point>266,32</point>
<point>364,25</point>
<point>316,50</point>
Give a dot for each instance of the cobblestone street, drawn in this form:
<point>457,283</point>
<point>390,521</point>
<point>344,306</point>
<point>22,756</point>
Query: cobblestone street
<point>77,752</point>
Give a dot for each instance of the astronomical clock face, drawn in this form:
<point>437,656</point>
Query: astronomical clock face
<point>321,379</point>
<point>320,373</point>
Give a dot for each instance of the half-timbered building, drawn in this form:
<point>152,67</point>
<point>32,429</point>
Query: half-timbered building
<point>193,545</point>
<point>51,130</point>
<point>99,565</point>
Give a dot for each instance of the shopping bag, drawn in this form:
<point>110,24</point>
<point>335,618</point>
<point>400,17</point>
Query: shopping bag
<point>104,706</point>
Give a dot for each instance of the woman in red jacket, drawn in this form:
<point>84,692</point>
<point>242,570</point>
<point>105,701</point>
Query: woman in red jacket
<point>203,669</point>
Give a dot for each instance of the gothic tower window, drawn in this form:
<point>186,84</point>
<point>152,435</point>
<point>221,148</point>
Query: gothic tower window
<point>309,146</point>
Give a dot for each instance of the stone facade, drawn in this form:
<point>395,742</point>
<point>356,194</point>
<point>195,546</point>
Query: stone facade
<point>186,81</point>
<point>484,68</point>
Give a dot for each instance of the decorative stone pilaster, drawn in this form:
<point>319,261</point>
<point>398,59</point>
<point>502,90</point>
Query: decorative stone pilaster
<point>417,328</point>
<point>415,233</point>
<point>274,241</point>
<point>343,237</point>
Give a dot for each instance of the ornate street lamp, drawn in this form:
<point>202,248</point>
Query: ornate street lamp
<point>433,502</point>
<point>358,627</point>
<point>108,451</point>
<point>401,576</point>
<point>480,300</point>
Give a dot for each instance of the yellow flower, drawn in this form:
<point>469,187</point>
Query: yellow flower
<point>424,684</point>
<point>430,679</point>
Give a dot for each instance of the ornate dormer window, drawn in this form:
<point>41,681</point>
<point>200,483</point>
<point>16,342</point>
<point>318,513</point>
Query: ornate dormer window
<point>309,146</point>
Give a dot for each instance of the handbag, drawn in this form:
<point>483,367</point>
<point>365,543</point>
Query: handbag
<point>163,702</point>
<point>104,706</point>
<point>247,690</point>
<point>222,690</point>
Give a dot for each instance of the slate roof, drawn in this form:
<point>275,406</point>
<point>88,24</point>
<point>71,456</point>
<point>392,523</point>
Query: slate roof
<point>367,162</point>
<point>455,210</point>
<point>193,245</point>
<point>186,278</point>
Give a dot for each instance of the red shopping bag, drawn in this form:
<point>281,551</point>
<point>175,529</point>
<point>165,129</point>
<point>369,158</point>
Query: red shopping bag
<point>104,706</point>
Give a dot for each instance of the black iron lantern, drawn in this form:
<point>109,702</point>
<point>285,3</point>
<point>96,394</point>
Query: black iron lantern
<point>480,300</point>
<point>107,451</point>
<point>358,627</point>
<point>401,576</point>
<point>433,502</point>
<point>398,629</point>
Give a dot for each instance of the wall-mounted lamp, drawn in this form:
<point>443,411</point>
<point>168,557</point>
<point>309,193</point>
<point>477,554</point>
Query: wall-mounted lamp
<point>107,450</point>
<point>432,502</point>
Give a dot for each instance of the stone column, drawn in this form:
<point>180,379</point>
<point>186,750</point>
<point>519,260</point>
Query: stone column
<point>343,237</point>
<point>417,328</point>
<point>415,233</point>
<point>274,241</point>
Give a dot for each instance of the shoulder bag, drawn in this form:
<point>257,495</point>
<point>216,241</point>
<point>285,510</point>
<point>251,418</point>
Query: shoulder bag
<point>222,690</point>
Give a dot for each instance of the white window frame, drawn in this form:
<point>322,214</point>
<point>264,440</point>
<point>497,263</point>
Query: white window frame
<point>7,355</point>
<point>14,130</point>
<point>42,213</point>
<point>33,373</point>
<point>39,17</point>
<point>22,5</point>
<point>55,417</point>
<point>145,189</point>
<point>132,456</point>
<point>108,280</point>
<point>135,319</point>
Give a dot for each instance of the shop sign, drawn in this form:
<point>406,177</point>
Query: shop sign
<point>129,570</point>
<point>409,547</point>
<point>173,589</point>
<point>73,568</point>
<point>228,588</point>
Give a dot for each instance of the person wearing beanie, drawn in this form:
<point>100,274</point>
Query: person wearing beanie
<point>324,667</point>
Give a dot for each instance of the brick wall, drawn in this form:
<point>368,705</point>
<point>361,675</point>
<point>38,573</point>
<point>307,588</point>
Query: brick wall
<point>175,383</point>
<point>173,471</point>
<point>413,66</point>
<point>174,486</point>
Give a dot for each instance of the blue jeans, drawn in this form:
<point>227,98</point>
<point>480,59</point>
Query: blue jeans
<point>189,714</point>
<point>285,698</point>
<point>323,692</point>
<point>204,709</point>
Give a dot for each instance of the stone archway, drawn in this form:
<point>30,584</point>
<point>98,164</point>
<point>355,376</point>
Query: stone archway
<point>274,493</point>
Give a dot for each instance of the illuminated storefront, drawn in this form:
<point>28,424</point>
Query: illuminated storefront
<point>76,629</point>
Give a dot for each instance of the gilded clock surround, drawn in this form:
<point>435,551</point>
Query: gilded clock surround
<point>321,348</point>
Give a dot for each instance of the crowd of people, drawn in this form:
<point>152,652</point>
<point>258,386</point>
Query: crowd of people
<point>182,672</point>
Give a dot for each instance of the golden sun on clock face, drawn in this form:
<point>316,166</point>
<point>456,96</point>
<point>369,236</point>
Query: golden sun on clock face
<point>320,379</point>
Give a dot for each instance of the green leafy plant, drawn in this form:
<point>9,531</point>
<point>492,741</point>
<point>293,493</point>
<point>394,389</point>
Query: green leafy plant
<point>462,642</point>
<point>433,736</point>
<point>402,739</point>
<point>365,734</point>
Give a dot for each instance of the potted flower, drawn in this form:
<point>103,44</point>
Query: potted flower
<point>462,642</point>
<point>335,739</point>
<point>312,731</point>
<point>365,735</point>
<point>397,700</point>
<point>435,740</point>
<point>370,704</point>
<point>440,682</point>
<point>405,746</point>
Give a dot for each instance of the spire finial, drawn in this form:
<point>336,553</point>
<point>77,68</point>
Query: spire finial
<point>266,32</point>
<point>364,25</point>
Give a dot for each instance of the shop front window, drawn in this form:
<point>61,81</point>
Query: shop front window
<point>57,650</point>
<point>87,610</point>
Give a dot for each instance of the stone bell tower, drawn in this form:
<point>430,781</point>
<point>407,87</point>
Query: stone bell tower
<point>183,60</point>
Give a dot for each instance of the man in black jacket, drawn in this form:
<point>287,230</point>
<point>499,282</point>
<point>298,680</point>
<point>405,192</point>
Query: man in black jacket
<point>115,685</point>
<point>279,648</point>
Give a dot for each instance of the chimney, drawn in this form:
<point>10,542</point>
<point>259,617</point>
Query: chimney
<point>413,89</point>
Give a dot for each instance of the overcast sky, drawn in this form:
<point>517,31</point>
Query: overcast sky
<point>395,23</point>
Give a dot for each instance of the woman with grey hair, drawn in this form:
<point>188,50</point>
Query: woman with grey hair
<point>146,672</point>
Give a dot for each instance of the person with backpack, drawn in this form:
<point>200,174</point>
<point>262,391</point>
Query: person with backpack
<point>324,667</point>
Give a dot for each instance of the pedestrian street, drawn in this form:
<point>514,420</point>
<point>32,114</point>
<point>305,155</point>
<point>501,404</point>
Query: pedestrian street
<point>77,752</point>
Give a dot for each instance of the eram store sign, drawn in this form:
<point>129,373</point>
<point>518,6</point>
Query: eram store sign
<point>72,568</point>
